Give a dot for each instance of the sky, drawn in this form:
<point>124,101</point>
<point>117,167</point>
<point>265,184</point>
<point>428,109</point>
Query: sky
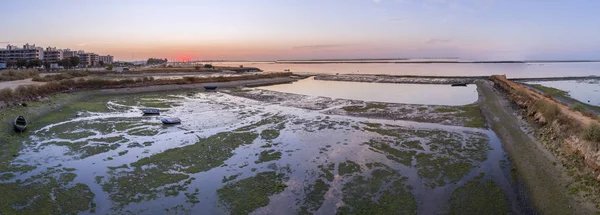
<point>309,29</point>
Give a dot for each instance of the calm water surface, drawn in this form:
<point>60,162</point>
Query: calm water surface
<point>432,164</point>
<point>585,91</point>
<point>430,94</point>
<point>512,70</point>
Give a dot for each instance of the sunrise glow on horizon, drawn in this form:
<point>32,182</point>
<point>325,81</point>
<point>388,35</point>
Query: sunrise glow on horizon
<point>272,30</point>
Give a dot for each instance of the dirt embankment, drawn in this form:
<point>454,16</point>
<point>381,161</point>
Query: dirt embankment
<point>402,79</point>
<point>561,131</point>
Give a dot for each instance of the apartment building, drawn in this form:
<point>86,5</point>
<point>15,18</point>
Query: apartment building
<point>28,52</point>
<point>106,59</point>
<point>53,55</point>
<point>11,54</point>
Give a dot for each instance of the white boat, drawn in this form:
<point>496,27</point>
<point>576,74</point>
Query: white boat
<point>172,120</point>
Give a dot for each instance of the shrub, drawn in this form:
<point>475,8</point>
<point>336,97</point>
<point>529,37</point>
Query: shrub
<point>208,66</point>
<point>6,94</point>
<point>550,111</point>
<point>13,75</point>
<point>592,132</point>
<point>578,107</point>
<point>197,67</point>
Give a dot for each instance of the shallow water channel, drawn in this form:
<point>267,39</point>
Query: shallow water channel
<point>233,155</point>
<point>586,91</point>
<point>429,94</point>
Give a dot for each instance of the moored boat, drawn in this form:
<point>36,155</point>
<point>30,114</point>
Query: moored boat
<point>210,87</point>
<point>20,124</point>
<point>172,120</point>
<point>459,85</point>
<point>151,111</point>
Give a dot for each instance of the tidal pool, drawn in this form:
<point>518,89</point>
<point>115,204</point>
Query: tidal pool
<point>428,94</point>
<point>586,91</point>
<point>233,155</point>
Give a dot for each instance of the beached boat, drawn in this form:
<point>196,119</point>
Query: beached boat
<point>20,124</point>
<point>459,85</point>
<point>172,120</point>
<point>210,87</point>
<point>151,111</point>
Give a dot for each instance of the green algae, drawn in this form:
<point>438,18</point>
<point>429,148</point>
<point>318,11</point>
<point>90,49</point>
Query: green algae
<point>403,157</point>
<point>109,139</point>
<point>192,197</point>
<point>246,195</point>
<point>205,154</point>
<point>121,153</point>
<point>268,155</point>
<point>98,179</point>
<point>348,167</point>
<point>230,178</point>
<point>314,197</point>
<point>146,132</point>
<point>445,110</point>
<point>383,192</point>
<point>477,197</point>
<point>269,134</point>
<point>277,119</point>
<point>7,176</point>
<point>142,185</point>
<point>440,170</point>
<point>153,176</point>
<point>366,107</point>
<point>46,194</point>
<point>475,118</point>
<point>124,166</point>
<point>415,144</point>
<point>327,171</point>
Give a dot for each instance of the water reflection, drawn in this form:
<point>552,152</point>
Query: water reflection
<point>585,91</point>
<point>512,70</point>
<point>430,94</point>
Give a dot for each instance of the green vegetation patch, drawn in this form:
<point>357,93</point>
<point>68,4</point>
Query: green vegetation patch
<point>314,197</point>
<point>366,107</point>
<point>445,110</point>
<point>205,154</point>
<point>477,197</point>
<point>268,155</point>
<point>277,119</point>
<point>248,194</point>
<point>348,167</point>
<point>230,178</point>
<point>269,134</point>
<point>441,170</point>
<point>404,157</point>
<point>383,192</point>
<point>327,171</point>
<point>550,90</point>
<point>51,192</point>
<point>143,185</point>
<point>475,118</point>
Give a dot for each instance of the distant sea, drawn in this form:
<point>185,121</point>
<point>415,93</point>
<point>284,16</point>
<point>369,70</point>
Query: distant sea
<point>430,68</point>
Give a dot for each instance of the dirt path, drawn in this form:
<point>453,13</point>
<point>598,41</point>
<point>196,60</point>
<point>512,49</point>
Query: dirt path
<point>545,182</point>
<point>15,84</point>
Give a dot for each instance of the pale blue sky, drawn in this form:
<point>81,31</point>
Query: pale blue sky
<point>309,29</point>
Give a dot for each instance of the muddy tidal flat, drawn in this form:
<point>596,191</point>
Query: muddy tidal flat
<point>251,151</point>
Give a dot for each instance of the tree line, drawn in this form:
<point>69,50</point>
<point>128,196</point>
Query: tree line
<point>156,61</point>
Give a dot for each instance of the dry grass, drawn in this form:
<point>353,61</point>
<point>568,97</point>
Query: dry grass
<point>13,75</point>
<point>550,111</point>
<point>61,76</point>
<point>592,133</point>
<point>33,92</point>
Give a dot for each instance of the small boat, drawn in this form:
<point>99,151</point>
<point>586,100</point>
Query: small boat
<point>210,87</point>
<point>151,111</point>
<point>173,120</point>
<point>459,85</point>
<point>20,124</point>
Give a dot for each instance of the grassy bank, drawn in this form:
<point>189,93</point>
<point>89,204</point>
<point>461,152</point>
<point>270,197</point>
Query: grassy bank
<point>570,136</point>
<point>13,75</point>
<point>21,94</point>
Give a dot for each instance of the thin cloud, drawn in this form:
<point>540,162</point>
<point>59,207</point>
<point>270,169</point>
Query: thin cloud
<point>397,20</point>
<point>435,41</point>
<point>313,47</point>
<point>90,43</point>
<point>377,1</point>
